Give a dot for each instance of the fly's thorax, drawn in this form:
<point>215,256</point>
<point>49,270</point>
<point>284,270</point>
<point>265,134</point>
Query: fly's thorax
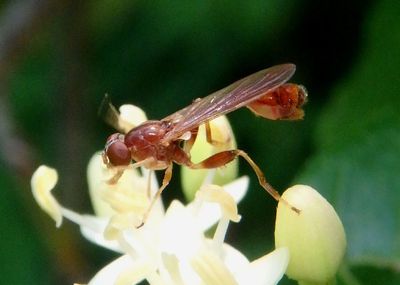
<point>144,141</point>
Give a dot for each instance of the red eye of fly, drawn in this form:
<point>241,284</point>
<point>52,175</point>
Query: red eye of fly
<point>118,154</point>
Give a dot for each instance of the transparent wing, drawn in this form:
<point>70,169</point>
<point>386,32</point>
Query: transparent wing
<point>226,100</point>
<point>111,116</point>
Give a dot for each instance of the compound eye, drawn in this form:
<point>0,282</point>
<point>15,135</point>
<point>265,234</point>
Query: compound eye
<point>118,153</point>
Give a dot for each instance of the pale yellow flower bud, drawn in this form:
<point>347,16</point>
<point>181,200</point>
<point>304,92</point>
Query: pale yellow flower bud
<point>315,236</point>
<point>222,134</point>
<point>129,194</point>
<point>130,117</point>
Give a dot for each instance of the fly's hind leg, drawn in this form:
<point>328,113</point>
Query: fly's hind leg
<point>224,157</point>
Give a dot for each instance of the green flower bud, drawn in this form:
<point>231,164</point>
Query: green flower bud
<point>315,236</point>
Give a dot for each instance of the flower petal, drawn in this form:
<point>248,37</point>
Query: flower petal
<point>234,260</point>
<point>122,271</point>
<point>266,270</point>
<point>43,181</point>
<point>211,269</point>
<point>237,188</point>
<point>95,232</point>
<point>180,235</point>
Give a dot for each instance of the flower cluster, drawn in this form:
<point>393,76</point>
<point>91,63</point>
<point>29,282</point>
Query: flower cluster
<point>172,247</point>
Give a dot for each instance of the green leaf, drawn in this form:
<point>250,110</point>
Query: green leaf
<point>361,182</point>
<point>23,257</point>
<point>369,275</point>
<point>357,163</point>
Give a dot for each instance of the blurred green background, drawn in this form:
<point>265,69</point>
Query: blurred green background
<point>58,58</point>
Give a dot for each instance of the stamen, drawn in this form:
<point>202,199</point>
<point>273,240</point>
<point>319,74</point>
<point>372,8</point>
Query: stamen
<point>220,233</point>
<point>207,180</point>
<point>77,219</point>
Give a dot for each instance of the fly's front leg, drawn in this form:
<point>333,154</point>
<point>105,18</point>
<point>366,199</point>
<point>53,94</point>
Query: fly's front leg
<point>149,184</point>
<point>115,178</point>
<point>224,157</point>
<point>120,170</point>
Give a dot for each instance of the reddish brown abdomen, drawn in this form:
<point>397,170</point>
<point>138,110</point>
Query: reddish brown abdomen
<point>283,102</point>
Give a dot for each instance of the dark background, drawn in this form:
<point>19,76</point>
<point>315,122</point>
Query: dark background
<point>59,58</point>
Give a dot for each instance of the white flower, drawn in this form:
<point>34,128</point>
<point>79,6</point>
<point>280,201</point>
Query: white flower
<point>171,247</point>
